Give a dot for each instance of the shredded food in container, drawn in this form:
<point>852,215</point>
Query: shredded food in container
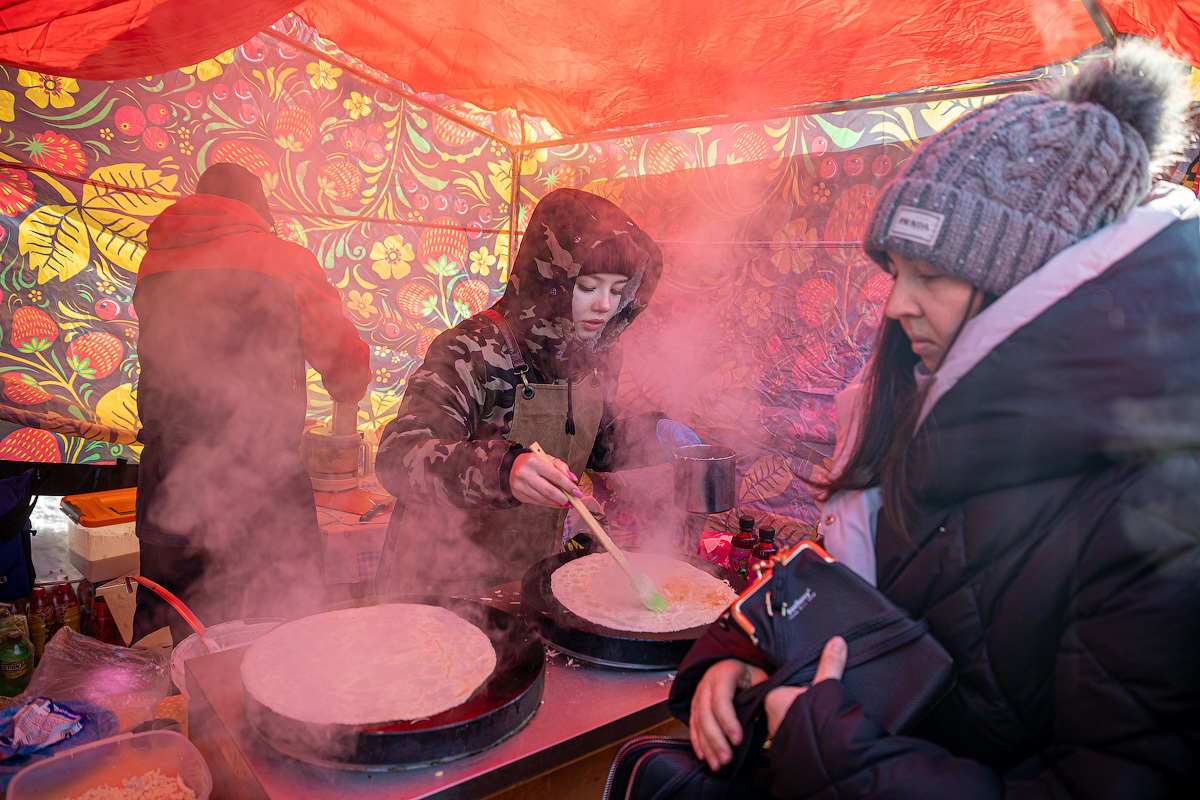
<point>152,785</point>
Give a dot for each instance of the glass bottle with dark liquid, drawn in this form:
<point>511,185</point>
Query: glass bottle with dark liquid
<point>765,548</point>
<point>742,546</point>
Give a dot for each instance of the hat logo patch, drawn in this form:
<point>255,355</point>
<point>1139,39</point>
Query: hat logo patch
<point>916,225</point>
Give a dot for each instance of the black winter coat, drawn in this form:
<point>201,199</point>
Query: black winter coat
<point>1057,558</point>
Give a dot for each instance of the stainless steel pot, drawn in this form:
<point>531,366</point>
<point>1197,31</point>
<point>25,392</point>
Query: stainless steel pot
<point>705,478</point>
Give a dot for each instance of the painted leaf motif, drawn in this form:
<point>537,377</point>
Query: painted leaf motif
<point>769,477</point>
<point>383,404</point>
<point>842,137</point>
<point>133,176</point>
<point>55,240</point>
<point>120,239</point>
<point>118,408</point>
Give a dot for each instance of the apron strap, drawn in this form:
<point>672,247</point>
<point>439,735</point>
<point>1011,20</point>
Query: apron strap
<point>514,350</point>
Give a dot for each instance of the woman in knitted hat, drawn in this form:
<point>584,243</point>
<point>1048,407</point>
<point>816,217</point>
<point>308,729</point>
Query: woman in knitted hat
<point>475,507</point>
<point>1023,468</point>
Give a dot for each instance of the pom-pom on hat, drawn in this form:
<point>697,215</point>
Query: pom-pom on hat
<point>1004,188</point>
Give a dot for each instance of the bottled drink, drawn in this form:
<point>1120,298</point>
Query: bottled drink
<point>742,546</point>
<point>106,626</point>
<point>16,663</point>
<point>765,549</point>
<point>66,607</point>
<point>87,594</point>
<point>42,622</point>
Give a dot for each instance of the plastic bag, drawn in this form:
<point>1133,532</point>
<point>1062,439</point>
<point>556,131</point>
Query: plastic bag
<point>126,682</point>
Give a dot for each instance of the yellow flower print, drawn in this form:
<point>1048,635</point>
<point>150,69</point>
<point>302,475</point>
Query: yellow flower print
<point>212,68</point>
<point>323,74</point>
<point>482,261</point>
<point>794,246</point>
<point>47,90</point>
<point>362,304</point>
<point>392,257</point>
<point>6,106</point>
<point>531,161</point>
<point>357,104</point>
<point>383,375</point>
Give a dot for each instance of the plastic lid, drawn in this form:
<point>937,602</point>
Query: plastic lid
<point>766,533</point>
<point>746,523</point>
<point>98,509</point>
<point>39,591</point>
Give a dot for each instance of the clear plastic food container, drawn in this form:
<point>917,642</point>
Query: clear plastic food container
<point>111,761</point>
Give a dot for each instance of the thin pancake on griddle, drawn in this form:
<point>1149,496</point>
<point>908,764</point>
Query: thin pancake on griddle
<point>595,588</point>
<point>360,666</point>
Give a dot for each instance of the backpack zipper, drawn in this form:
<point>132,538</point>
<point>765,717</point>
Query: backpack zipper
<point>636,741</point>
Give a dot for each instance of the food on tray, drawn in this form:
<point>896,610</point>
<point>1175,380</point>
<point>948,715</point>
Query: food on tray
<point>152,785</point>
<point>360,666</point>
<point>595,588</point>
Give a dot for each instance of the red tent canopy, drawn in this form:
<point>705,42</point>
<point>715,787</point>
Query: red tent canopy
<point>596,66</point>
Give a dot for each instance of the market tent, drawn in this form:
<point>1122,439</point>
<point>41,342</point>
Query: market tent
<point>412,201</point>
<point>597,66</point>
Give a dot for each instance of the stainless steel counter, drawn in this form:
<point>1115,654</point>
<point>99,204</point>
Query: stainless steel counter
<point>584,708</point>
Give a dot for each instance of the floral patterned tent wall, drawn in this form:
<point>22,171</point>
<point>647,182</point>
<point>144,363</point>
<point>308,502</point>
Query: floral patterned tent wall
<point>767,307</point>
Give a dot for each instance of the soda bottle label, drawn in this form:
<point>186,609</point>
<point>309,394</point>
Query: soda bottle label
<point>11,670</point>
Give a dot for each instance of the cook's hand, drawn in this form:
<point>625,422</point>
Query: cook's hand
<point>714,726</point>
<point>831,667</point>
<point>534,481</point>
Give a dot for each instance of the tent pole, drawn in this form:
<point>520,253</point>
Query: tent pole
<point>514,201</point>
<point>371,79</point>
<point>1102,22</point>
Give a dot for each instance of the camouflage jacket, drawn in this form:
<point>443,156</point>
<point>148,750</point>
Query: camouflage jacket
<point>446,445</point>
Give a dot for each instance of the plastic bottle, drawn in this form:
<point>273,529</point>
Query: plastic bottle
<point>106,626</point>
<point>16,663</point>
<point>42,623</point>
<point>66,607</point>
<point>742,546</point>
<point>765,549</point>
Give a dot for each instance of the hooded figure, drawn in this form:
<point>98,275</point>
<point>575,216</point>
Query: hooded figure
<point>1022,464</point>
<point>228,315</point>
<point>470,411</point>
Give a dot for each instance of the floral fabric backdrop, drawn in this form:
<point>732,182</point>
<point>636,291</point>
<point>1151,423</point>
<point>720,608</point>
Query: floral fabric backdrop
<point>767,307</point>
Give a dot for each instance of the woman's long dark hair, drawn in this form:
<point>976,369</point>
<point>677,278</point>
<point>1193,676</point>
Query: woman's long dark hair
<point>893,407</point>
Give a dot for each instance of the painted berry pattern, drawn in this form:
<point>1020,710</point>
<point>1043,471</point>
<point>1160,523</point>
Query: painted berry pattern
<point>95,355</point>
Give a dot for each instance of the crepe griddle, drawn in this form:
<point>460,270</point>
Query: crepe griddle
<point>597,644</point>
<point>497,709</point>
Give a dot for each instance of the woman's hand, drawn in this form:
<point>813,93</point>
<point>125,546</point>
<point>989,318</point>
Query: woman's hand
<point>831,667</point>
<point>714,728</point>
<point>534,481</point>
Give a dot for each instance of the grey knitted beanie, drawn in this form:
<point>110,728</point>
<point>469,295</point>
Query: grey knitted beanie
<point>1004,188</point>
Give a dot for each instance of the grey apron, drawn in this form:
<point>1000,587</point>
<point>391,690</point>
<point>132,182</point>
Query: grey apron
<point>448,550</point>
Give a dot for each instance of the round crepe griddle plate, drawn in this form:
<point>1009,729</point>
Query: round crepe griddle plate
<point>497,709</point>
<point>597,644</point>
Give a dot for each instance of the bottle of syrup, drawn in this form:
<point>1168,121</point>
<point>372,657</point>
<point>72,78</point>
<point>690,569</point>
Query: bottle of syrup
<point>765,548</point>
<point>742,546</point>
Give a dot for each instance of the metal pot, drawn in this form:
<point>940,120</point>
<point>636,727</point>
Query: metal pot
<point>705,478</point>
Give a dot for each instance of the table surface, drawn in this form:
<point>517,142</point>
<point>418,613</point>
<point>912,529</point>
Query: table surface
<point>584,708</point>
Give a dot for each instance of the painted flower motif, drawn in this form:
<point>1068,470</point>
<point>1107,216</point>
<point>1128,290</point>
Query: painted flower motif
<point>392,257</point>
<point>16,192</point>
<point>821,192</point>
<point>482,261</point>
<point>35,296</point>
<point>754,307</point>
<point>382,375</point>
<point>55,152</point>
<point>183,139</point>
<point>358,105</point>
<point>382,352</point>
<point>322,74</point>
<point>6,106</point>
<point>106,287</point>
<point>362,304</point>
<point>211,68</point>
<point>793,246</point>
<point>48,90</point>
<point>106,134</point>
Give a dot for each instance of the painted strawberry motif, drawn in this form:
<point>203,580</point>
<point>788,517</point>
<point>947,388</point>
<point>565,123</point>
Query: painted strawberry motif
<point>425,339</point>
<point>473,294</point>
<point>815,302</point>
<point>32,330</point>
<point>664,158</point>
<point>244,154</point>
<point>340,180</point>
<point>454,134</point>
<point>413,299</point>
<point>294,128</point>
<point>95,355</point>
<point>748,146</point>
<point>23,390</point>
<point>448,239</point>
<point>30,444</point>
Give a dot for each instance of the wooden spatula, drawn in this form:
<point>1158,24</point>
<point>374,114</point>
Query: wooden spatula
<point>643,587</point>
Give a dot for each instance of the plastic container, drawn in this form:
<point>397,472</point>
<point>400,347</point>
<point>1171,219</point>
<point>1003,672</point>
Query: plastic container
<point>110,761</point>
<point>101,538</point>
<point>227,635</point>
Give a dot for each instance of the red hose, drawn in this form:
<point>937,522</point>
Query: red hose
<point>175,602</point>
